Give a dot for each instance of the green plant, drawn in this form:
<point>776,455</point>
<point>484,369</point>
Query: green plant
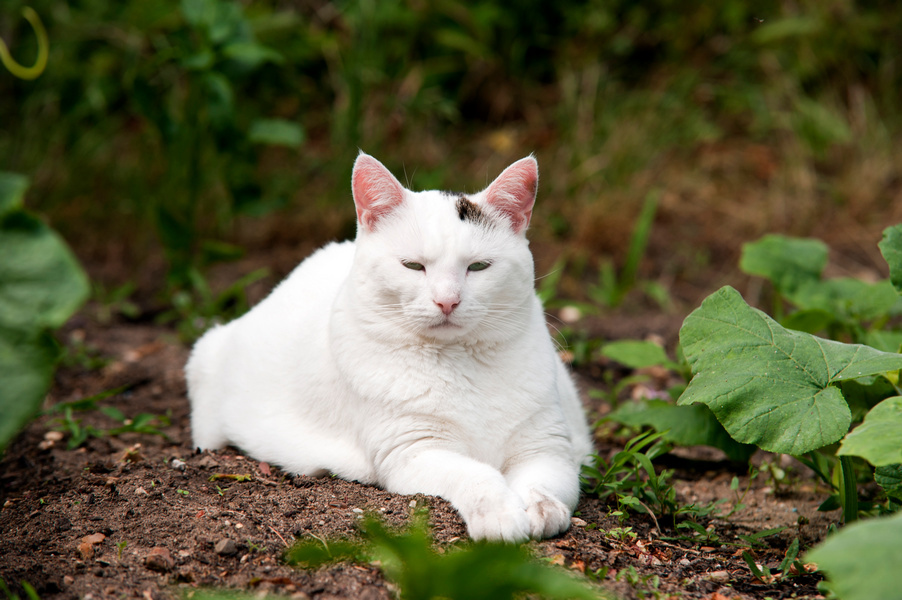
<point>631,479</point>
<point>489,571</point>
<point>41,286</point>
<point>188,94</point>
<point>115,301</point>
<point>30,592</point>
<point>197,310</point>
<point>861,560</point>
<point>840,307</point>
<point>79,433</point>
<point>612,287</point>
<point>790,392</point>
<point>681,425</point>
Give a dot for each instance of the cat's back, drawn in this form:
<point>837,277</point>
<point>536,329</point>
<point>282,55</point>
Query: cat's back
<point>302,302</point>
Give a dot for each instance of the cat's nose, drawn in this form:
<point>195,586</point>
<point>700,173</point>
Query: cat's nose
<point>447,305</point>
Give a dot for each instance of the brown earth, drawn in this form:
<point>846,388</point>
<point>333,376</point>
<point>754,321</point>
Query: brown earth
<point>142,515</point>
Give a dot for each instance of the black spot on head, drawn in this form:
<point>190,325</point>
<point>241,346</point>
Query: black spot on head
<point>468,211</point>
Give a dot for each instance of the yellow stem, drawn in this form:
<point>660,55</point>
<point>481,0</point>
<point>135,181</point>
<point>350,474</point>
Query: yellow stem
<point>43,49</point>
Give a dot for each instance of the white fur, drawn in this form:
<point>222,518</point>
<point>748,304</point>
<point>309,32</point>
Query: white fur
<point>350,367</point>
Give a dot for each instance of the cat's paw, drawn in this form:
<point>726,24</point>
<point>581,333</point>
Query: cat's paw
<point>498,519</point>
<point>548,516</point>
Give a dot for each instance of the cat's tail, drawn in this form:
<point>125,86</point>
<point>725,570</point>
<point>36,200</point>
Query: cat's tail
<point>203,375</point>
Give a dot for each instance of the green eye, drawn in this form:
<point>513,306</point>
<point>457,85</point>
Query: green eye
<point>413,266</point>
<point>478,266</point>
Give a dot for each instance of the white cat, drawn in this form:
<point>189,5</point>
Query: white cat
<point>416,358</point>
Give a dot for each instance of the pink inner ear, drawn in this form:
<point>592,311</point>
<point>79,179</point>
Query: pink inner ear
<point>376,191</point>
<point>513,193</point>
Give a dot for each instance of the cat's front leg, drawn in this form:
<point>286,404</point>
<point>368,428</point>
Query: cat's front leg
<point>479,492</point>
<point>549,487</point>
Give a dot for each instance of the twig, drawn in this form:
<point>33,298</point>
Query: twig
<point>279,534</point>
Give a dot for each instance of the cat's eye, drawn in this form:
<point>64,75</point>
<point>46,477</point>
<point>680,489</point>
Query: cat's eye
<point>479,266</point>
<point>413,266</point>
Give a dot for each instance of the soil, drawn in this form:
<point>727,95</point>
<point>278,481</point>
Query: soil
<point>145,515</point>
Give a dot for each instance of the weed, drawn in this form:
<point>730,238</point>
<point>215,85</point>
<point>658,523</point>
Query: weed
<point>611,288</point>
<point>196,310</point>
<point>475,571</point>
<point>79,433</point>
<point>30,592</point>
<point>115,301</point>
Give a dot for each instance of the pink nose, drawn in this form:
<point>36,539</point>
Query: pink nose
<point>447,306</point>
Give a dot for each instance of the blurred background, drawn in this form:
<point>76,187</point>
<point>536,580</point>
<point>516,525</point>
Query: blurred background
<point>181,146</point>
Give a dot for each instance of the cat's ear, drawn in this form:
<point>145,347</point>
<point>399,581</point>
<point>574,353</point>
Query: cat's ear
<point>513,193</point>
<point>376,191</point>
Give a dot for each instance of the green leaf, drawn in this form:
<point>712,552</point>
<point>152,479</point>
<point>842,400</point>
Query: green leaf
<point>635,354</point>
<point>767,385</point>
<point>27,360</point>
<point>787,262</point>
<point>879,438</point>
<point>862,560</point>
<point>252,54</point>
<point>890,479</point>
<point>888,341</point>
<point>891,248</point>
<point>276,132</point>
<point>693,425</point>
<point>12,191</point>
<point>478,571</point>
<point>846,297</point>
<point>41,282</point>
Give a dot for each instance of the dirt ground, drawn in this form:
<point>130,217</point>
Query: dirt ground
<point>142,515</point>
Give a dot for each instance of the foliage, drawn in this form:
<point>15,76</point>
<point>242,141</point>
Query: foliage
<point>631,479</point>
<point>770,386</point>
<point>41,285</point>
<point>789,391</point>
<point>841,307</point>
<point>861,561</point>
<point>79,433</point>
<point>681,425</point>
<point>473,571</point>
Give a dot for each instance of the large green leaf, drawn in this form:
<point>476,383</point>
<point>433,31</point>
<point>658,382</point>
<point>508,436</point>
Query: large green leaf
<point>862,560</point>
<point>41,282</point>
<point>787,262</point>
<point>41,285</point>
<point>767,385</point>
<point>693,425</point>
<point>879,438</point>
<point>846,297</point>
<point>27,360</point>
<point>891,248</point>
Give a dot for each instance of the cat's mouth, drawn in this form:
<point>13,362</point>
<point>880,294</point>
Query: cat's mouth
<point>446,324</point>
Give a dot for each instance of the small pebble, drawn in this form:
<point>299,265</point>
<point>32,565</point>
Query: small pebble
<point>177,464</point>
<point>226,547</point>
<point>159,559</point>
<point>577,522</point>
<point>359,511</point>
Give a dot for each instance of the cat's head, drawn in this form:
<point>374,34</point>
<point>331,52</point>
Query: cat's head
<point>444,266</point>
